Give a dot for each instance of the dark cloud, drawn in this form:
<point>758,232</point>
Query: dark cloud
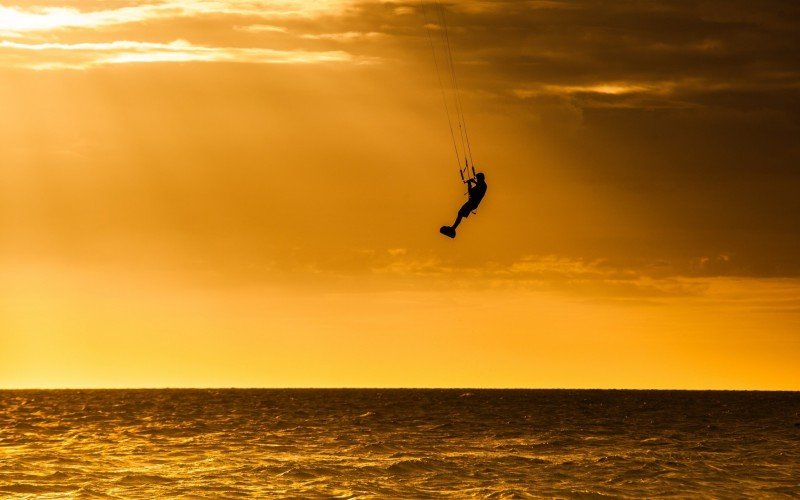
<point>689,114</point>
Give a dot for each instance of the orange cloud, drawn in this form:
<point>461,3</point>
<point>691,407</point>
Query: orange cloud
<point>43,56</point>
<point>17,20</point>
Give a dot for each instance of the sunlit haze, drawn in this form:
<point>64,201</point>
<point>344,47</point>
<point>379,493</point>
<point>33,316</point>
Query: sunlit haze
<point>204,193</point>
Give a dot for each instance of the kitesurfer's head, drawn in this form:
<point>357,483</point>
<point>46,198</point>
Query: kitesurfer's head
<point>479,176</point>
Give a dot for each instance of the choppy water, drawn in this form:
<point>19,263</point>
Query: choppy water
<point>398,443</point>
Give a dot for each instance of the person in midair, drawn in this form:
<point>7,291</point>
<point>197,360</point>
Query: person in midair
<point>476,189</point>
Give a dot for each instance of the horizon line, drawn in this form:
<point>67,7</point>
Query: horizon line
<point>378,388</point>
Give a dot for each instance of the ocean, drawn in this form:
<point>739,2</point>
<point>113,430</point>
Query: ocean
<point>403,443</point>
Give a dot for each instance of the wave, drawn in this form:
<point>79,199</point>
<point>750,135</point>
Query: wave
<point>416,465</point>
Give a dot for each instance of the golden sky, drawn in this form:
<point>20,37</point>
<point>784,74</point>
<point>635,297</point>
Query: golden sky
<point>203,193</point>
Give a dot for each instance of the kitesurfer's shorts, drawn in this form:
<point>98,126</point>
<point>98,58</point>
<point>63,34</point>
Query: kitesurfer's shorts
<point>466,209</point>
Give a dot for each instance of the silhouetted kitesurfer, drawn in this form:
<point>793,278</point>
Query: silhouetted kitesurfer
<point>476,189</point>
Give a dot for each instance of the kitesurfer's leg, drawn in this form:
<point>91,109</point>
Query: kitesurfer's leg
<point>464,211</point>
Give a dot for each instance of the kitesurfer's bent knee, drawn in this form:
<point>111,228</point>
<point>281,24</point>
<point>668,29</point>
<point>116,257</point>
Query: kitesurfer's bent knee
<point>466,209</point>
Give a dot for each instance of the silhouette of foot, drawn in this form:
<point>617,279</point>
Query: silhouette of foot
<point>448,231</point>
